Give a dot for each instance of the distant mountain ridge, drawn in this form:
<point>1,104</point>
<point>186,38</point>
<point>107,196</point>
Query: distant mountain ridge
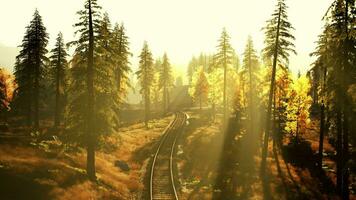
<point>8,56</point>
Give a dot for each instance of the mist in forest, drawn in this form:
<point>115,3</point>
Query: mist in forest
<point>217,100</point>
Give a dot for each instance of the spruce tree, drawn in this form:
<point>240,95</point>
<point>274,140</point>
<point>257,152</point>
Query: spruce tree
<point>59,68</point>
<point>165,81</point>
<point>90,113</point>
<point>250,69</point>
<point>30,68</point>
<point>145,74</point>
<point>278,46</point>
<point>122,54</point>
<point>341,62</point>
<point>224,58</point>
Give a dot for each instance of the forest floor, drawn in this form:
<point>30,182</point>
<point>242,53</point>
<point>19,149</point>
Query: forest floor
<point>210,168</point>
<point>46,169</point>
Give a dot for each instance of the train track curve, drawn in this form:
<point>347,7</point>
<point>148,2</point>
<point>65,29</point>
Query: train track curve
<point>162,180</point>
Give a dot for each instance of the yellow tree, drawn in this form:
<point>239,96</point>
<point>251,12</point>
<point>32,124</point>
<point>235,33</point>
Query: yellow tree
<point>7,87</point>
<point>215,79</point>
<point>297,110</point>
<point>199,88</point>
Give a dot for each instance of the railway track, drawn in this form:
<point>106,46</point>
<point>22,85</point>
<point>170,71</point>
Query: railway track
<point>162,181</point>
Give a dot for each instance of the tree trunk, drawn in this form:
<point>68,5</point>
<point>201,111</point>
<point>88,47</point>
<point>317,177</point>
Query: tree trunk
<point>224,98</point>
<point>90,112</point>
<point>147,108</point>
<point>168,100</point>
<point>36,95</point>
<point>213,108</point>
<point>29,111</point>
<point>345,153</point>
<point>269,109</point>
<point>321,137</point>
<point>57,109</point>
<point>200,103</point>
<point>274,134</point>
<point>164,99</point>
<point>339,155</point>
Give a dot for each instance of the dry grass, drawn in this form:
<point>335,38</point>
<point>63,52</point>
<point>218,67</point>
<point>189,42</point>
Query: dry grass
<point>63,177</point>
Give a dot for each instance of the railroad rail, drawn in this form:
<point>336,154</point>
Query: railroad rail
<point>162,181</point>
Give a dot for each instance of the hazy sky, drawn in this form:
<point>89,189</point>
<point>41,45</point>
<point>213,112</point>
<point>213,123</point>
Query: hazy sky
<point>179,27</point>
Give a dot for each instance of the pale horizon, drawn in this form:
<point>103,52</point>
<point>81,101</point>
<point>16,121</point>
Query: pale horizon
<point>180,28</point>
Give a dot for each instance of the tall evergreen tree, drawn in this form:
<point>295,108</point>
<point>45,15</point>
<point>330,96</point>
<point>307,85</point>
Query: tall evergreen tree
<point>250,69</point>
<point>223,58</point>
<point>59,68</point>
<point>341,62</point>
<point>91,112</point>
<point>121,51</point>
<point>145,74</point>
<point>319,77</point>
<point>165,81</point>
<point>192,67</point>
<point>279,45</point>
<point>30,68</point>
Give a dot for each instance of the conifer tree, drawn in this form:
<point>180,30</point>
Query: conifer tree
<point>319,77</point>
<point>121,52</point>
<point>91,112</point>
<point>250,69</point>
<point>223,59</point>
<point>59,68</point>
<point>30,68</point>
<point>340,59</point>
<point>165,81</point>
<point>279,45</point>
<point>145,75</point>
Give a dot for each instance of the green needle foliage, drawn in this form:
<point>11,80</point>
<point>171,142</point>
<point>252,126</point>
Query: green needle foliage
<point>223,58</point>
<point>30,70</point>
<point>122,54</point>
<point>59,71</point>
<point>145,74</point>
<point>165,81</point>
<point>285,40</point>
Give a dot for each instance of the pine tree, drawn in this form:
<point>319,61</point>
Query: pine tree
<point>319,77</point>
<point>59,68</point>
<point>223,59</point>
<point>341,61</point>
<point>192,67</point>
<point>121,51</point>
<point>279,45</point>
<point>30,68</point>
<point>145,75</point>
<point>92,104</point>
<point>250,69</point>
<point>249,73</point>
<point>165,81</point>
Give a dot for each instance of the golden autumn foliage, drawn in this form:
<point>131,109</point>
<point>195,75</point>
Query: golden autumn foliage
<point>199,89</point>
<point>298,104</point>
<point>7,87</point>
